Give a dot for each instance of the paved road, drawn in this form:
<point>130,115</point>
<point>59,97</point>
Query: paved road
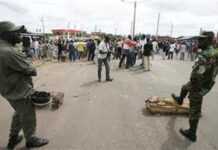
<point>110,116</point>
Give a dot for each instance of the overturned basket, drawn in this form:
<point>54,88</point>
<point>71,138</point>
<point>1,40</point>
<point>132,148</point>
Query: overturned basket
<point>44,99</point>
<point>41,98</point>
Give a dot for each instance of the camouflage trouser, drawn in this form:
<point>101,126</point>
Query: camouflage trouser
<point>23,118</point>
<point>195,100</point>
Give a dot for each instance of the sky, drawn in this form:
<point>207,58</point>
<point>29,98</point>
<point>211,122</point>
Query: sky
<point>114,16</point>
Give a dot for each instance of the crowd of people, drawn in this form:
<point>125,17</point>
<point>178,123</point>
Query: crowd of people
<point>59,49</point>
<point>101,50</point>
<point>126,49</point>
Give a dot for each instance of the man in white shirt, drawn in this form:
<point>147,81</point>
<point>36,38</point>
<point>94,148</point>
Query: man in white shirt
<point>36,48</point>
<point>171,52</point>
<point>155,48</point>
<point>183,51</point>
<point>103,51</point>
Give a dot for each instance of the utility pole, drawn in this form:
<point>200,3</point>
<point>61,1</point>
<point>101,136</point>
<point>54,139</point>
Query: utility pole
<point>158,23</point>
<point>133,25</point>
<point>134,19</point>
<point>43,25</point>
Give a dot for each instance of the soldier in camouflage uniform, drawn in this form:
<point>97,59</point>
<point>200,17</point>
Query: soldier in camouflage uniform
<point>201,82</point>
<point>16,86</point>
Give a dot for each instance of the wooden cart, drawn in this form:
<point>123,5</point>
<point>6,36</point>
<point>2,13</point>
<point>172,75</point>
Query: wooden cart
<point>163,105</point>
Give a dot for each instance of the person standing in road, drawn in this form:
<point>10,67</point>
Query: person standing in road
<point>201,82</point>
<point>195,50</point>
<point>142,42</point>
<point>60,46</point>
<point>177,50</point>
<point>172,50</point>
<point>183,51</point>
<point>161,49</point>
<point>103,50</point>
<point>72,51</point>
<point>155,48</point>
<point>17,87</point>
<point>128,47</point>
<point>125,53</point>
<point>91,50</point>
<point>166,48</point>
<point>147,54</point>
<point>119,48</point>
<point>36,48</point>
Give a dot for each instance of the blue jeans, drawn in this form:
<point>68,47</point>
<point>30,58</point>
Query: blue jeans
<point>72,55</point>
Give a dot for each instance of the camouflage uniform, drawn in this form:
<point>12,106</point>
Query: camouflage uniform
<point>16,86</point>
<point>201,82</point>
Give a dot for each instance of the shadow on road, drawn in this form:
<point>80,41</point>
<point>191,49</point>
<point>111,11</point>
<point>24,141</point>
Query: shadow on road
<point>174,141</point>
<point>89,84</point>
<point>136,68</point>
<point>146,113</point>
<point>139,72</point>
<point>91,64</point>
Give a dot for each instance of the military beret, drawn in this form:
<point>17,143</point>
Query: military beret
<point>207,34</point>
<point>7,26</point>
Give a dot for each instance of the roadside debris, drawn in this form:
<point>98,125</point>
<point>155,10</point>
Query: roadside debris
<point>43,99</point>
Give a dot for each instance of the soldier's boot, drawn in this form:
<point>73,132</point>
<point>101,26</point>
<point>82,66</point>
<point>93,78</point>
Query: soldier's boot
<point>191,133</point>
<point>179,99</point>
<point>14,141</point>
<point>36,142</point>
<point>188,134</point>
<point>109,80</point>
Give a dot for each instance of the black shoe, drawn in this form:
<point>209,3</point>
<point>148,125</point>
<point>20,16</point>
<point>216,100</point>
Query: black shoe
<point>109,80</point>
<point>188,135</point>
<point>14,141</point>
<point>99,80</point>
<point>36,142</point>
<point>177,99</point>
